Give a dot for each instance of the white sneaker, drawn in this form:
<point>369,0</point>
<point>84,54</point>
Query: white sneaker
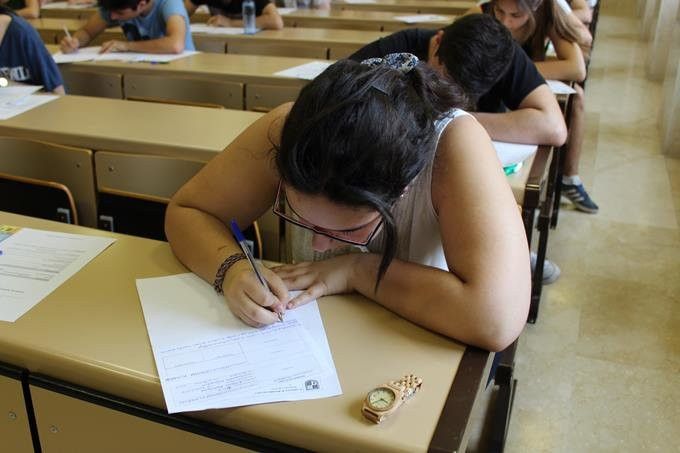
<point>551,271</point>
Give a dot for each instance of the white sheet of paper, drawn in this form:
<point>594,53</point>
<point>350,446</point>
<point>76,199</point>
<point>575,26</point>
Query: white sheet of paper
<point>307,71</point>
<point>203,9</point>
<point>513,153</point>
<point>559,87</point>
<point>24,104</point>
<point>33,263</point>
<point>284,11</point>
<point>13,93</point>
<point>359,2</point>
<point>92,54</point>
<point>209,29</point>
<point>417,18</point>
<point>207,358</point>
<point>67,5</point>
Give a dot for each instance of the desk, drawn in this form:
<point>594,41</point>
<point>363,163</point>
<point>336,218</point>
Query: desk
<point>233,81</point>
<point>291,42</point>
<point>92,341</point>
<point>51,30</point>
<point>407,7</point>
<point>67,13</point>
<point>350,20</point>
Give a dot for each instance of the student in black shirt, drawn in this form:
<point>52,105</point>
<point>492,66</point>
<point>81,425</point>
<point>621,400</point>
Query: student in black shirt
<point>228,13</point>
<point>512,100</point>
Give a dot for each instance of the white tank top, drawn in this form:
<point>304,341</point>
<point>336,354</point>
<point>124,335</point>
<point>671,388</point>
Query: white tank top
<point>418,235</point>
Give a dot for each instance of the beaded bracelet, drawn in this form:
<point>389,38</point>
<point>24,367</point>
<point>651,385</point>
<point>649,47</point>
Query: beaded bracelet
<point>224,267</point>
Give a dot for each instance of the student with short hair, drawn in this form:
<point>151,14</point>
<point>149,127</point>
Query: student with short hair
<point>532,23</point>
<point>511,99</point>
<point>228,13</point>
<point>376,158</point>
<point>28,9</point>
<point>23,56</point>
<point>151,26</point>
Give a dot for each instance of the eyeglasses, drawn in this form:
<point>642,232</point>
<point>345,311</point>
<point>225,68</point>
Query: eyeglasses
<point>361,235</point>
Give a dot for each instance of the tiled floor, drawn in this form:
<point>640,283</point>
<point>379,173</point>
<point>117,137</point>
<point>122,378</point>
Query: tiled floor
<point>600,370</point>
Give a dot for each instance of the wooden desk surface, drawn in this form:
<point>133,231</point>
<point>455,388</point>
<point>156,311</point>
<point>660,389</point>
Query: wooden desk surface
<point>224,67</point>
<point>68,13</point>
<point>311,36</point>
<point>128,126</point>
<point>453,7</point>
<point>52,29</point>
<point>91,332</point>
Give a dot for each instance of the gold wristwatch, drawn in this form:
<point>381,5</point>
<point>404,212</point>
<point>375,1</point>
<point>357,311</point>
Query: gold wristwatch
<point>383,401</point>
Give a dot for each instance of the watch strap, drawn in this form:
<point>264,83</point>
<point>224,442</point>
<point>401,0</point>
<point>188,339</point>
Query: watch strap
<point>408,384</point>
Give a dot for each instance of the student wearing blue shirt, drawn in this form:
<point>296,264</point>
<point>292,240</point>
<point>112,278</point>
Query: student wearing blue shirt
<point>152,26</point>
<point>23,56</point>
<point>227,13</point>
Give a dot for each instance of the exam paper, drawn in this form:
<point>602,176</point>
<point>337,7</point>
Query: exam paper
<point>307,71</point>
<point>13,93</point>
<point>33,263</point>
<point>24,104</point>
<point>92,54</point>
<point>513,153</point>
<point>417,18</point>
<point>207,358</point>
<point>559,87</point>
<point>284,11</point>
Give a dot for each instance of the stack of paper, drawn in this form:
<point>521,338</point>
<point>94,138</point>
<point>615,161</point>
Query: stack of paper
<point>307,71</point>
<point>207,358</point>
<point>513,153</point>
<point>417,18</point>
<point>33,263</point>
<point>92,54</point>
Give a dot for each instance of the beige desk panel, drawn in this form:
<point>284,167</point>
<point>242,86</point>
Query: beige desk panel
<point>128,126</point>
<point>67,13</point>
<point>407,7</point>
<point>15,433</point>
<point>210,66</point>
<point>354,20</point>
<point>518,181</point>
<point>88,83</point>
<point>67,424</point>
<point>92,333</point>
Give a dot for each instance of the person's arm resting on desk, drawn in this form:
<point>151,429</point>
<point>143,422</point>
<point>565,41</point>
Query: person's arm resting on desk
<point>173,42</point>
<point>569,64</point>
<point>537,120</point>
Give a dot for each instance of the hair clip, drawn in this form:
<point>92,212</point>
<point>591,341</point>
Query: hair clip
<point>403,62</point>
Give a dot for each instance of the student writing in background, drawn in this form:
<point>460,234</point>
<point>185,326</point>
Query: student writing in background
<point>373,155</point>
<point>23,56</point>
<point>228,13</point>
<point>532,23</point>
<point>152,26</point>
<point>511,99</point>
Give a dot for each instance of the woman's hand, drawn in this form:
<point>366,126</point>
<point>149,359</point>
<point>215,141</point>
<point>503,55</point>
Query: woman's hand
<point>318,278</point>
<point>249,300</point>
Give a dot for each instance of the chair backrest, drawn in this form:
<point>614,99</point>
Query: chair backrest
<point>67,165</point>
<point>36,198</point>
<point>134,191</point>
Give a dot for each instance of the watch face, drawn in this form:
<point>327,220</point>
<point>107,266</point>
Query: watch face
<point>380,399</point>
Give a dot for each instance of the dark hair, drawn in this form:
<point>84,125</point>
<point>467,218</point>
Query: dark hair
<point>476,51</point>
<point>6,10</point>
<point>116,5</point>
<point>358,135</point>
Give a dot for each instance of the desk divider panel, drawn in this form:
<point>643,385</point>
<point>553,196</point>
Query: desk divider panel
<point>277,50</point>
<point>263,98</point>
<point>151,86</point>
<point>15,430</point>
<point>70,166</point>
<point>209,43</point>
<point>92,83</point>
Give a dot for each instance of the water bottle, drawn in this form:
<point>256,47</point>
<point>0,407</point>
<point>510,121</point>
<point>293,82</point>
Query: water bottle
<point>249,27</point>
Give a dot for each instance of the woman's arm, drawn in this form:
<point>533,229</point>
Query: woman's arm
<point>484,300</point>
<point>240,183</point>
<point>569,65</point>
<point>270,18</point>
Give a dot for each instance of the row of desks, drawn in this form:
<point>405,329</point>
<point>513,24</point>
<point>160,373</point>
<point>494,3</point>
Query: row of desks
<point>294,42</point>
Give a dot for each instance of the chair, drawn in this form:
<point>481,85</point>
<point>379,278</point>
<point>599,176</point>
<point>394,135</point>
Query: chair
<point>36,198</point>
<point>131,202</point>
<point>66,165</point>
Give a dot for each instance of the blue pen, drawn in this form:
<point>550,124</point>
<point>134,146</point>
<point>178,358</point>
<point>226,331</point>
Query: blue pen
<point>240,238</point>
